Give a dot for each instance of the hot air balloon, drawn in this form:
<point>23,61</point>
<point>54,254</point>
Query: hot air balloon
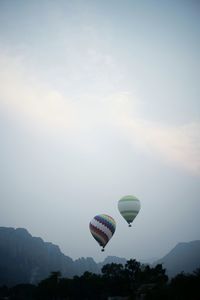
<point>102,228</point>
<point>129,207</point>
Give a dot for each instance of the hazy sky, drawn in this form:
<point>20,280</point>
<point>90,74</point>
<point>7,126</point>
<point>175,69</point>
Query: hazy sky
<point>100,99</point>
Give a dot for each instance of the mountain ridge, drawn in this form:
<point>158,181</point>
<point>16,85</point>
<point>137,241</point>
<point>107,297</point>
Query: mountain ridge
<point>28,259</point>
<point>184,257</point>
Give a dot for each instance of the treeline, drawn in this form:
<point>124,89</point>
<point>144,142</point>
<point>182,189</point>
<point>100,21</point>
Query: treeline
<point>133,281</point>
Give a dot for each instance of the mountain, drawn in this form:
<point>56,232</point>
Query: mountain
<point>82,265</point>
<point>24,258</point>
<point>184,257</point>
<point>112,259</point>
<point>28,259</point>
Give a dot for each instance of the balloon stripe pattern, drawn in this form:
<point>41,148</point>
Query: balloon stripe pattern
<point>129,207</point>
<point>102,228</point>
<point>106,221</point>
<point>99,235</point>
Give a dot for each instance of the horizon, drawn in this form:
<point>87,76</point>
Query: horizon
<point>100,100</point>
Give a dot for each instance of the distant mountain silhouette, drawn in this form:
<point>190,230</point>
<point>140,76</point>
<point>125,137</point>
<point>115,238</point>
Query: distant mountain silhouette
<point>27,259</point>
<point>184,257</point>
<point>112,259</point>
<point>82,265</point>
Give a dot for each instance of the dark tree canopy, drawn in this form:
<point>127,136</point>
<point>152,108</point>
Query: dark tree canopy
<point>131,280</point>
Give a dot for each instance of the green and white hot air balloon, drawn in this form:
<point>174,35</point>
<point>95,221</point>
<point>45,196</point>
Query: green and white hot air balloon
<point>129,207</point>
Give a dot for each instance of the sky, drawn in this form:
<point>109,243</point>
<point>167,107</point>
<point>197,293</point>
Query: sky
<point>100,99</point>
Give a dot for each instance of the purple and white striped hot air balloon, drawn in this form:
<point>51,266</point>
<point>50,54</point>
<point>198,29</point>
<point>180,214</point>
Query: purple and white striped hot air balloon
<point>102,228</point>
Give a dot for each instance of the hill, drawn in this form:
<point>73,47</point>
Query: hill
<point>28,259</point>
<point>184,257</point>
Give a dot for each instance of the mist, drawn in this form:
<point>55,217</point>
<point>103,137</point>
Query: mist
<point>99,100</point>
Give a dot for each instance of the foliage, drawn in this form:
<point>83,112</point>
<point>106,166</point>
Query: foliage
<point>133,280</point>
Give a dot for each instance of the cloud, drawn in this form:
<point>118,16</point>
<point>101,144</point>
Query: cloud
<point>179,145</point>
<point>25,96</point>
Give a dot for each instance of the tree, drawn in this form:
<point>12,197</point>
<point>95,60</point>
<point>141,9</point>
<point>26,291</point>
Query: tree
<point>114,280</point>
<point>112,270</point>
<point>48,288</point>
<point>132,268</point>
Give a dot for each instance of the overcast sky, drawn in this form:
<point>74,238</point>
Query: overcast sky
<point>100,99</point>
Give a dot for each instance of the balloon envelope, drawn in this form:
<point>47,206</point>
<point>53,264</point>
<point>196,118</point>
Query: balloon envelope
<point>129,207</point>
<point>102,228</point>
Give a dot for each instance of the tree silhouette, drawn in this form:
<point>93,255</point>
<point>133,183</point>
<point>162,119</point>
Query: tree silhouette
<point>114,279</point>
<point>133,280</point>
<point>112,270</point>
<point>48,288</point>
